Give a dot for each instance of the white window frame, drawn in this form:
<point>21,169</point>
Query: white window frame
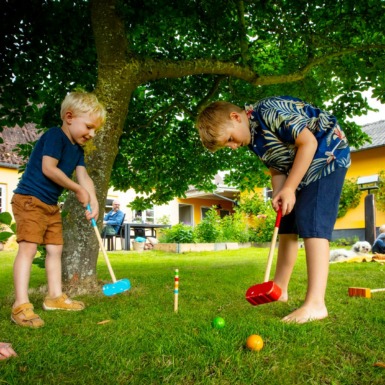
<point>268,194</point>
<point>3,197</point>
<point>146,216</point>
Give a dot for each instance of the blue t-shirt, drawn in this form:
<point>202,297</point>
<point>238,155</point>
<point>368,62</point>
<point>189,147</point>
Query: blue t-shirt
<point>276,122</point>
<point>53,143</point>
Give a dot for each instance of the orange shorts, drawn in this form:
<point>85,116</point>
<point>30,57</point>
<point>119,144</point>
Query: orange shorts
<point>36,221</point>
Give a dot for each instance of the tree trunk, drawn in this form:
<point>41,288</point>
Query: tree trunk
<point>116,81</point>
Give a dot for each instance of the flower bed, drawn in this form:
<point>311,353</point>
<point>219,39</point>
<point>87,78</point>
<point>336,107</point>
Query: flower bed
<point>193,247</point>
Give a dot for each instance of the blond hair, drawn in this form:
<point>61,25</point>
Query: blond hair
<point>211,123</point>
<point>382,229</point>
<point>83,102</point>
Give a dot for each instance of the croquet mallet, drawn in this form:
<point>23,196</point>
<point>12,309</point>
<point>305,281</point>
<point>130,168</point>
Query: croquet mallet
<point>268,291</point>
<point>116,287</point>
<point>362,292</point>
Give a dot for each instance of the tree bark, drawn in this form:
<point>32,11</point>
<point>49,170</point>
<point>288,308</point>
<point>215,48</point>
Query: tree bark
<point>116,81</point>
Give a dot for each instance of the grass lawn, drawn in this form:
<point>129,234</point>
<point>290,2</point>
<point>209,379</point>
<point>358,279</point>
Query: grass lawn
<point>145,342</point>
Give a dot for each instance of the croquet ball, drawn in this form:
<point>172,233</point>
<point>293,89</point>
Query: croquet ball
<point>218,323</point>
<point>254,342</point>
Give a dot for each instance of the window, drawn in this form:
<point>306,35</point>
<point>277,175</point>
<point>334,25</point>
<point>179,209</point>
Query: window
<point>2,198</point>
<point>145,216</point>
<point>204,211</point>
<point>108,205</point>
<point>268,194</point>
<point>224,213</point>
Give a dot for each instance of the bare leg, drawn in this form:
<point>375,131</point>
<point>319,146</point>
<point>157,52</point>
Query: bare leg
<point>53,270</point>
<point>287,255</point>
<point>317,258</point>
<point>22,271</point>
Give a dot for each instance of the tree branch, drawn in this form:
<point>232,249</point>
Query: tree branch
<point>158,69</point>
<point>243,42</point>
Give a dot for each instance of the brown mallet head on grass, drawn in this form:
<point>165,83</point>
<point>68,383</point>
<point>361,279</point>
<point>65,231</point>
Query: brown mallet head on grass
<point>363,292</point>
<point>359,292</point>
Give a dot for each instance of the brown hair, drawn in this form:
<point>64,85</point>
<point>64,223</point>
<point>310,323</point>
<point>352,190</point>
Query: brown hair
<point>211,121</point>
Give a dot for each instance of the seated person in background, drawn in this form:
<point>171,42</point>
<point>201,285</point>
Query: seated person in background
<point>113,219</point>
<point>379,243</point>
<point>6,351</point>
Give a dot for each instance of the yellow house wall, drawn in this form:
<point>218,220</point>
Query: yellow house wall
<point>205,203</point>
<point>364,163</point>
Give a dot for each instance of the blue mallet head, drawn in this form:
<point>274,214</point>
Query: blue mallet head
<point>116,287</point>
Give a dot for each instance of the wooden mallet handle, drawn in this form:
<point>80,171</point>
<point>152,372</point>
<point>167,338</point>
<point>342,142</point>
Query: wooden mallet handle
<point>273,243</point>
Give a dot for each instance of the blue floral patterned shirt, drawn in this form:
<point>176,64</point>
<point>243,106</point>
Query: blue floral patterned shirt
<point>276,122</point>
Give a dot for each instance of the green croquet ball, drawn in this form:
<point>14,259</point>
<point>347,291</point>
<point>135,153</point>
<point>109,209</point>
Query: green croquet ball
<point>218,323</point>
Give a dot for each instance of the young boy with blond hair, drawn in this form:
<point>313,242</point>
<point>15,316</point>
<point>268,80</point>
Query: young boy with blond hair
<point>57,154</point>
<point>308,156</point>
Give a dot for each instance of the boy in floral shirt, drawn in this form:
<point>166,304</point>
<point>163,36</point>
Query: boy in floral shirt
<point>307,155</point>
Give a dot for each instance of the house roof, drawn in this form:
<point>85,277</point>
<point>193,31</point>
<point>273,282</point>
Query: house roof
<point>12,137</point>
<point>376,131</point>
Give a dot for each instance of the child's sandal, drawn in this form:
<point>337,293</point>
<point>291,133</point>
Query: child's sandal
<point>24,315</point>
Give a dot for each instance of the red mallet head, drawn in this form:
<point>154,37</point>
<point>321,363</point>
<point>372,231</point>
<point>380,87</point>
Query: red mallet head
<point>263,293</point>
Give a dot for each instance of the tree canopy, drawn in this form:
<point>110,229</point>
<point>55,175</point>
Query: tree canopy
<point>182,55</point>
<point>156,63</point>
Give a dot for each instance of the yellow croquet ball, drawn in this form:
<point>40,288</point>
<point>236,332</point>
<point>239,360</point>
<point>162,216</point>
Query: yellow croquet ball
<point>254,342</point>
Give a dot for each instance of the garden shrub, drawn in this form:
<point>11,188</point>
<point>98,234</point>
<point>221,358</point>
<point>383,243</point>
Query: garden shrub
<point>350,197</point>
<point>380,193</point>
<point>261,217</point>
<point>179,233</point>
<point>209,229</point>
<point>235,228</point>
<point>342,242</point>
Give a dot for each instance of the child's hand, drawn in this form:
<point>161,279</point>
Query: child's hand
<point>83,196</point>
<point>284,199</point>
<point>94,213</point>
<point>6,351</point>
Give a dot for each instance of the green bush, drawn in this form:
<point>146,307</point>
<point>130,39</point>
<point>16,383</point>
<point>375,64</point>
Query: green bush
<point>342,242</point>
<point>234,228</point>
<point>350,197</point>
<point>262,215</point>
<point>209,230</point>
<point>380,193</point>
<point>264,229</point>
<point>231,228</point>
<point>179,233</point>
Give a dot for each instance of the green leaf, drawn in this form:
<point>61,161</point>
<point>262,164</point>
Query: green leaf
<point>5,235</point>
<point>6,218</point>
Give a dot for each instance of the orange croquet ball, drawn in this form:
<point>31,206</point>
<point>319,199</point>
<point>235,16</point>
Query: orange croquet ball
<point>254,342</point>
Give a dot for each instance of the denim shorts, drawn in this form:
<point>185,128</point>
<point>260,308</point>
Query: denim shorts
<point>316,208</point>
<point>36,221</point>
